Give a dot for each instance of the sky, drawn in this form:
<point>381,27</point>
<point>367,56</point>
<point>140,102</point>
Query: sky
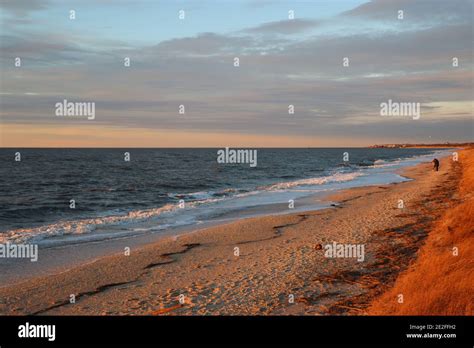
<point>190,62</point>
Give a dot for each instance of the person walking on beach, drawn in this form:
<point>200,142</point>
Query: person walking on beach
<point>435,164</point>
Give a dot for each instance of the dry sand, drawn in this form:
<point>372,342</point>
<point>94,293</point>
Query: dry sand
<point>278,258</point>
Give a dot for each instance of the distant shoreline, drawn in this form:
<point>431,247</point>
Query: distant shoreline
<point>421,146</point>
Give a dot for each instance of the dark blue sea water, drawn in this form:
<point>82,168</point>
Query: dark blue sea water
<point>114,197</point>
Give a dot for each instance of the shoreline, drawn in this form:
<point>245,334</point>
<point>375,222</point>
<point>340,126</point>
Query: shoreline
<point>277,259</point>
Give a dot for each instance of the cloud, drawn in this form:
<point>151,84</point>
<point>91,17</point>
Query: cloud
<point>275,70</point>
<point>22,8</point>
<point>286,27</point>
<point>202,45</point>
<point>455,11</point>
<point>385,54</point>
<point>36,48</point>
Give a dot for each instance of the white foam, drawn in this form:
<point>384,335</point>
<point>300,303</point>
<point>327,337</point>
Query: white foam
<point>337,177</point>
<point>78,227</point>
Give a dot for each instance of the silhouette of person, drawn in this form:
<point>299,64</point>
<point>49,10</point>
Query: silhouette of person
<point>435,164</point>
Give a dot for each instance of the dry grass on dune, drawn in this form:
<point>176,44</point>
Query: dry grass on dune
<point>439,283</point>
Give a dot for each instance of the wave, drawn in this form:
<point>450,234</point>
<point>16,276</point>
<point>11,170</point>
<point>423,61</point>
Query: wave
<point>78,227</point>
<point>131,220</point>
<point>117,220</point>
<point>337,177</point>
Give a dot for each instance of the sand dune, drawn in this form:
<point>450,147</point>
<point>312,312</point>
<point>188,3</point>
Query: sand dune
<point>441,281</point>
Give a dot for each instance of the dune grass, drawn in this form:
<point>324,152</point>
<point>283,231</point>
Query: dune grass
<point>439,282</point>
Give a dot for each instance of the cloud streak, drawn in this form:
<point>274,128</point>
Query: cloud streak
<point>287,27</point>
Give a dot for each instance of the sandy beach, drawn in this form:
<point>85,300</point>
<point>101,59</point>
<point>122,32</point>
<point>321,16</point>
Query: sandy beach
<point>271,265</point>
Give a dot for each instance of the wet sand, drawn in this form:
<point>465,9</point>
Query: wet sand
<point>267,265</point>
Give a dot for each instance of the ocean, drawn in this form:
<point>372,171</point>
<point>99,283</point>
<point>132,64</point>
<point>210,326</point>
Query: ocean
<point>162,189</point>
